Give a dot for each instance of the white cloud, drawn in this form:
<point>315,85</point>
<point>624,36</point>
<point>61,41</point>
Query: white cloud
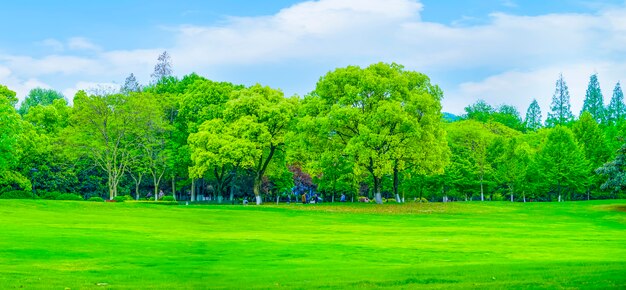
<point>91,88</point>
<point>523,55</point>
<point>53,44</point>
<point>80,43</point>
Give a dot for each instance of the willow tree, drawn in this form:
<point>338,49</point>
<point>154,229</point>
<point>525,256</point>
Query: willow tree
<point>383,117</point>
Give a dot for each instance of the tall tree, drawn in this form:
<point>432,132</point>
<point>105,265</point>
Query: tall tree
<point>108,128</point>
<point>163,68</point>
<point>131,85</point>
<point>533,116</point>
<point>563,165</point>
<point>616,110</point>
<point>375,114</point>
<point>594,102</point>
<point>9,95</point>
<point>9,129</point>
<point>560,109</point>
<point>591,138</point>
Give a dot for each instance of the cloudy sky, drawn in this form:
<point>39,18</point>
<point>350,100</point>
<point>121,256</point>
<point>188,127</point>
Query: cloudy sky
<point>502,51</point>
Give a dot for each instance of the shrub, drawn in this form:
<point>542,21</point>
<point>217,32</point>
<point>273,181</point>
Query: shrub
<point>168,198</point>
<point>96,198</point>
<point>50,195</point>
<point>69,196</point>
<point>120,198</point>
<point>16,194</point>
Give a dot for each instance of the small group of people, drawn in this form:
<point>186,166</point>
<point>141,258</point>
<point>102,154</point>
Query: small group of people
<point>314,199</point>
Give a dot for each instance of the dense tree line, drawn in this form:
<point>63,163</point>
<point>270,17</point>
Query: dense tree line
<point>376,132</point>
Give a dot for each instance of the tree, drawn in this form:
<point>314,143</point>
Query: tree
<point>533,116</point>
<point>9,129</point>
<point>107,128</point>
<point>163,68</point>
<point>560,109</point>
<point>615,173</point>
<point>590,137</point>
<point>616,111</point>
<point>260,116</point>
<point>479,111</point>
<point>39,96</point>
<point>594,103</point>
<point>374,115</point>
<point>131,85</point>
<point>563,165</point>
<point>9,95</point>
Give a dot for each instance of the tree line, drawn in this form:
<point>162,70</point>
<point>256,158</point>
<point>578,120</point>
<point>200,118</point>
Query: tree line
<point>375,132</point>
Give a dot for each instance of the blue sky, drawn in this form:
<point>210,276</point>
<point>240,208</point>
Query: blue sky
<point>501,51</point>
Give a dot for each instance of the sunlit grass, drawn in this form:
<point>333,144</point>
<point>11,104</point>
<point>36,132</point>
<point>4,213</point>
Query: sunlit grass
<point>53,244</point>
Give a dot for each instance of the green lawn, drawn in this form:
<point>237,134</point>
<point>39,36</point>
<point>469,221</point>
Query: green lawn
<point>56,244</point>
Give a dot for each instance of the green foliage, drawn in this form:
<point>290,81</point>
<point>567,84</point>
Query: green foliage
<point>615,173</point>
<point>16,194</point>
<point>560,109</point>
<point>39,97</point>
<point>51,195</point>
<point>96,199</point>
<point>8,95</point>
<point>533,116</point>
<point>564,168</point>
<point>120,198</point>
<point>168,198</point>
<point>616,111</point>
<point>594,102</point>
<point>69,196</point>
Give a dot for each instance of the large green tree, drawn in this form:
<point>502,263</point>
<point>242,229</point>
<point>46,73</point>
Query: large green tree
<point>564,169</point>
<point>383,118</point>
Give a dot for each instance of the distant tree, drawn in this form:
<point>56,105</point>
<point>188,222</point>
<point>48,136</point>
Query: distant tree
<point>509,116</point>
<point>479,111</point>
<point>39,96</point>
<point>533,116</point>
<point>591,138</point>
<point>131,85</point>
<point>594,103</point>
<point>616,110</point>
<point>560,109</point>
<point>9,129</point>
<point>163,68</point>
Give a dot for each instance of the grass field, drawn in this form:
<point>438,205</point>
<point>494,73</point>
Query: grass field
<point>83,245</point>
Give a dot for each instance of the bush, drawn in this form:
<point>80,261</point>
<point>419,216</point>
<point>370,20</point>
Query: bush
<point>50,195</point>
<point>16,194</point>
<point>120,198</point>
<point>96,198</point>
<point>168,198</point>
<point>69,196</point>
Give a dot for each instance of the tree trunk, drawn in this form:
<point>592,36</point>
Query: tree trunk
<point>396,183</point>
<point>174,187</point>
<point>277,198</point>
<point>257,190</point>
<point>377,196</point>
<point>482,194</point>
<point>193,189</point>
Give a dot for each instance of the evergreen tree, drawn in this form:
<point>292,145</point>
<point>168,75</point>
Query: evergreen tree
<point>616,111</point>
<point>594,102</point>
<point>561,112</point>
<point>163,68</point>
<point>615,173</point>
<point>533,116</point>
<point>131,85</point>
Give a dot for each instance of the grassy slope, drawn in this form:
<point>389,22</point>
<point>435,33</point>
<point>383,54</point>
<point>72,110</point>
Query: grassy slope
<point>53,244</point>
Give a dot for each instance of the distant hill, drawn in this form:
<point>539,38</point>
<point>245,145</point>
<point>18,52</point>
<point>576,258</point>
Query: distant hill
<point>449,117</point>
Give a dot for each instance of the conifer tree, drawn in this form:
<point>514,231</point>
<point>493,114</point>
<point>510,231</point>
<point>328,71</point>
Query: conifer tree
<point>616,111</point>
<point>533,116</point>
<point>163,68</point>
<point>131,85</point>
<point>594,102</point>
<point>560,109</point>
